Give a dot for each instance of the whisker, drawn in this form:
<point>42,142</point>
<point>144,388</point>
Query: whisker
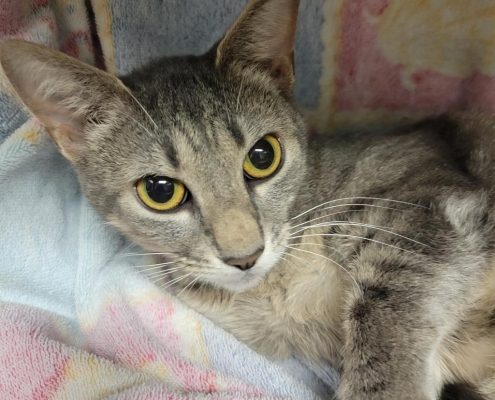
<point>329,259</point>
<point>302,260</point>
<point>346,223</point>
<point>164,271</point>
<point>156,270</point>
<point>239,94</point>
<point>287,260</point>
<point>292,295</point>
<point>335,249</point>
<point>146,254</point>
<point>142,107</point>
<point>154,265</point>
<point>139,124</point>
<point>174,281</point>
<point>156,276</point>
<point>126,248</point>
<point>226,108</point>
<point>352,237</point>
<point>358,197</point>
<point>345,211</point>
<point>190,284</point>
<point>325,216</point>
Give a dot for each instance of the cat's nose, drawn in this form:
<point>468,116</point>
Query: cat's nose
<point>245,263</point>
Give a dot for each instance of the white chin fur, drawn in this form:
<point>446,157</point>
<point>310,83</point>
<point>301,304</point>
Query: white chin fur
<point>235,280</point>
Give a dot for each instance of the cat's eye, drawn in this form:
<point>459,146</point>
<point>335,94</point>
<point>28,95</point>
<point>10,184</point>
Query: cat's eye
<point>161,193</point>
<point>263,159</point>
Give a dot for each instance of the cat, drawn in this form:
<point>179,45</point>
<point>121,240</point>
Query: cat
<point>369,252</point>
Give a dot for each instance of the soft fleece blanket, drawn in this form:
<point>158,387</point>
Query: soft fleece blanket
<point>77,320</point>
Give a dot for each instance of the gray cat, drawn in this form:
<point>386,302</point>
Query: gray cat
<point>373,253</point>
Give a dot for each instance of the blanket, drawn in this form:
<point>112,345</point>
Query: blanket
<point>77,319</point>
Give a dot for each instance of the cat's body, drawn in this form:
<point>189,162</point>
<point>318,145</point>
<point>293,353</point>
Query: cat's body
<point>373,253</point>
<point>430,304</point>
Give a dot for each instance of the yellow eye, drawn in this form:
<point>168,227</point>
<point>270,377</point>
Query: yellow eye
<point>263,159</point>
<point>161,193</point>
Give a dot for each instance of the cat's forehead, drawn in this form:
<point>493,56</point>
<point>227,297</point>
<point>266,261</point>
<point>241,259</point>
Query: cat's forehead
<point>203,122</point>
<point>192,88</point>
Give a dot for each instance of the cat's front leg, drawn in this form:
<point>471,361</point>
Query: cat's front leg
<point>390,345</point>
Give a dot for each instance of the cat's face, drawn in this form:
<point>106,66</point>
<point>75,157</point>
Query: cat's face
<point>202,162</point>
<point>200,150</point>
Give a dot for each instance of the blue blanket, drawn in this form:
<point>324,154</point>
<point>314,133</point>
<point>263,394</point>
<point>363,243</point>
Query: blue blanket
<point>54,249</point>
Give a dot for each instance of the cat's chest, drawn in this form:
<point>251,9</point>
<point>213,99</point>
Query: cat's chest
<point>311,278</point>
<point>305,295</point>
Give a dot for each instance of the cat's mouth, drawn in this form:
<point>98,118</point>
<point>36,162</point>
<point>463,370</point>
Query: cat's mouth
<point>212,271</point>
<point>235,279</point>
<point>239,280</point>
<point>216,273</point>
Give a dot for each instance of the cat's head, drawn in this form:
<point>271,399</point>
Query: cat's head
<point>200,158</point>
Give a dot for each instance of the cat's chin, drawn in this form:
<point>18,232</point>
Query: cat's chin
<point>236,281</point>
<point>239,285</point>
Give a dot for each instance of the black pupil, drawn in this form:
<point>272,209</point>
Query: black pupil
<point>262,154</point>
<point>159,189</point>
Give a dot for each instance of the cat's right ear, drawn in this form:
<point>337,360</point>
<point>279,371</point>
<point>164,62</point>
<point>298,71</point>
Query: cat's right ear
<point>66,95</point>
<point>263,37</point>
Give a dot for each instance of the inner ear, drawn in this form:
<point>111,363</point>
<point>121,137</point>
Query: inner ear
<point>263,37</point>
<point>64,94</point>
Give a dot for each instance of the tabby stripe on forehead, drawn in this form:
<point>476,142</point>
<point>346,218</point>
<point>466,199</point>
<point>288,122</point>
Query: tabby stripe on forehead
<point>235,132</point>
<point>171,153</point>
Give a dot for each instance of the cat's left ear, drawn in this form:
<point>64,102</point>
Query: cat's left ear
<point>66,95</point>
<point>263,37</point>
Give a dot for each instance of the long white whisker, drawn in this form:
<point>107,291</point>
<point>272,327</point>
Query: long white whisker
<point>346,223</point>
<point>302,260</point>
<point>292,263</point>
<point>321,245</point>
<point>345,211</point>
<point>174,281</point>
<point>325,216</point>
<point>361,198</point>
<point>157,276</point>
<point>226,108</point>
<point>329,259</point>
<point>146,254</point>
<point>287,260</point>
<point>351,237</point>
<point>190,284</point>
<point>166,271</point>
<point>239,94</point>
<point>142,107</point>
<point>139,124</point>
<point>154,265</point>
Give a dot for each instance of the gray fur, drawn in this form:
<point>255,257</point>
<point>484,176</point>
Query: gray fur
<point>395,286</point>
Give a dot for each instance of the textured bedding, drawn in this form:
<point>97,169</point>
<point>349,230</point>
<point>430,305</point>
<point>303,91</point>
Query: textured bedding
<point>77,319</point>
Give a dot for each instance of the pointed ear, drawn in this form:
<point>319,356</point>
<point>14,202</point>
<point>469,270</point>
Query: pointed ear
<point>263,37</point>
<point>66,95</point>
